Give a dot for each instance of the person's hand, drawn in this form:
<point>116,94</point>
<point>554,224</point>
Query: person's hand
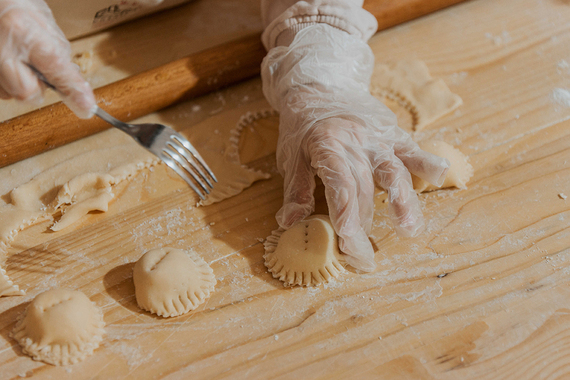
<point>29,35</point>
<point>331,126</point>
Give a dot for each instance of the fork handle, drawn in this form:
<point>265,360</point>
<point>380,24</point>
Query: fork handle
<point>96,110</point>
<point>101,113</point>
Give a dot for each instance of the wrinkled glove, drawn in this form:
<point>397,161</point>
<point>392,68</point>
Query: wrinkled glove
<point>30,35</point>
<point>331,126</point>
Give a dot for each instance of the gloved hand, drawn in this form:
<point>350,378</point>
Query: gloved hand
<point>331,126</point>
<point>30,35</point>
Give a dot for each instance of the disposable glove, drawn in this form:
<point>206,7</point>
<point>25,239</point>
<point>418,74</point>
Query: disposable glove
<point>331,126</point>
<point>30,35</point>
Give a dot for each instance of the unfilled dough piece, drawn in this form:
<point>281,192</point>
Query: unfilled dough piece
<point>171,282</point>
<point>460,170</point>
<point>60,327</point>
<point>305,254</point>
<point>410,83</point>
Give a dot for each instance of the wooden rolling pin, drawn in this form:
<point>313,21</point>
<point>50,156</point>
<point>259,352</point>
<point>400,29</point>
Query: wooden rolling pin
<point>55,125</point>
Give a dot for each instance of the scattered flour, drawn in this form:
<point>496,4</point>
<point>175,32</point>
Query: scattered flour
<point>561,96</point>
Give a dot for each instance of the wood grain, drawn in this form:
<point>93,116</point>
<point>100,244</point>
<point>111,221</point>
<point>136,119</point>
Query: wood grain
<point>133,97</point>
<point>389,13</point>
<point>482,294</point>
<point>189,77</point>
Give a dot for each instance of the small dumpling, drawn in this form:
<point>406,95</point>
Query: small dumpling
<point>171,282</point>
<point>460,170</point>
<point>60,327</point>
<point>305,254</point>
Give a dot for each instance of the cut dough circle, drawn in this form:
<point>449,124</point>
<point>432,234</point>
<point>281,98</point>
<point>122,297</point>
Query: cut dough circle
<point>305,254</point>
<point>170,282</point>
<point>60,327</point>
<point>458,174</point>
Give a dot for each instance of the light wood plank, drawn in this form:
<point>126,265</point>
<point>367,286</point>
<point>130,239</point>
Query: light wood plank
<point>502,248</point>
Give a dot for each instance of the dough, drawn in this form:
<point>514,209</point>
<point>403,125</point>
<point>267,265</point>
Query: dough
<point>60,327</point>
<point>84,60</point>
<point>305,254</point>
<point>459,173</point>
<point>410,84</point>
<point>171,282</point>
<point>222,154</point>
<point>72,185</point>
<point>79,177</point>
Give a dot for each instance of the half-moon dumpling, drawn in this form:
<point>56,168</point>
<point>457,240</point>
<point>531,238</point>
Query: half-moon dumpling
<point>458,174</point>
<point>60,327</point>
<point>171,282</point>
<point>305,254</point>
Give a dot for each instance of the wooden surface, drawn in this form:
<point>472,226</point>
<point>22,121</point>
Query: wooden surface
<point>133,97</point>
<point>483,294</point>
<point>158,88</point>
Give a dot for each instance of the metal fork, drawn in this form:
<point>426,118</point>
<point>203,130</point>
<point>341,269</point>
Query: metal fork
<point>165,143</point>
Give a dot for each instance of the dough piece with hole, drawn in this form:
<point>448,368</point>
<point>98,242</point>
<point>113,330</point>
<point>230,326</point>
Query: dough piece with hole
<point>460,170</point>
<point>305,254</point>
<point>409,83</point>
<point>60,327</point>
<point>171,282</point>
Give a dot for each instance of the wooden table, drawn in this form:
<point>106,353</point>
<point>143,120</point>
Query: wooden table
<point>483,294</point>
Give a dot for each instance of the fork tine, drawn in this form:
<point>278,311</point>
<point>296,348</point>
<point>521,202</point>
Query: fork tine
<point>171,164</point>
<point>186,144</point>
<point>190,160</point>
<point>180,161</point>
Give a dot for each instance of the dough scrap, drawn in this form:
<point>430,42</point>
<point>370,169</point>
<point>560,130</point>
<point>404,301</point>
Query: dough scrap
<point>60,327</point>
<point>170,282</point>
<point>80,176</point>
<point>409,83</point>
<point>73,186</point>
<point>306,254</point>
<point>460,170</point>
<point>233,176</point>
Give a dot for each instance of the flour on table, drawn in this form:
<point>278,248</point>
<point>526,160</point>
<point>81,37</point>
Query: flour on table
<point>79,177</point>
<point>305,254</point>
<point>458,174</point>
<point>410,84</point>
<point>70,184</point>
<point>170,282</point>
<point>60,327</point>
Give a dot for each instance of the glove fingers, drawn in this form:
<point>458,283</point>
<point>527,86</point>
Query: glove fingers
<point>342,194</point>
<point>427,166</point>
<point>404,207</point>
<point>51,58</point>
<point>298,198</point>
<point>17,80</point>
<point>4,94</point>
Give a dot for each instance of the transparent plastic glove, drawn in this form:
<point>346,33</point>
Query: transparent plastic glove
<point>29,35</point>
<point>331,126</point>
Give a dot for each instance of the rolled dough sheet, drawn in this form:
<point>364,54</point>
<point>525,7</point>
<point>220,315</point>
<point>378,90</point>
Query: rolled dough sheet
<point>78,178</point>
<point>409,83</point>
